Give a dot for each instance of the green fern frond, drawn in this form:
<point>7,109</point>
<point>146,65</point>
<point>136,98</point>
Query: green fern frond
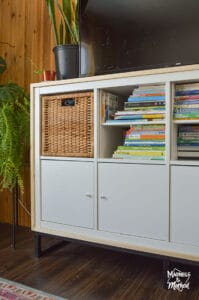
<point>14,134</point>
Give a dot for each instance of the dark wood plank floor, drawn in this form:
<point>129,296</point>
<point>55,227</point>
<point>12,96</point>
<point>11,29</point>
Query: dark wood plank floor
<point>83,272</point>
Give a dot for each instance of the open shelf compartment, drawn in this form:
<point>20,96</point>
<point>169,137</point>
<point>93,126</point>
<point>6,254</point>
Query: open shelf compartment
<point>132,122</point>
<point>185,135</point>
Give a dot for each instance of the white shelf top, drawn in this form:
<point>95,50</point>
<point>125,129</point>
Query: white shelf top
<point>132,161</point>
<point>128,123</point>
<point>186,121</point>
<point>185,162</point>
<point>66,158</point>
<point>135,74</point>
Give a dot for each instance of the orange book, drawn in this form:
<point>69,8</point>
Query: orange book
<point>152,136</point>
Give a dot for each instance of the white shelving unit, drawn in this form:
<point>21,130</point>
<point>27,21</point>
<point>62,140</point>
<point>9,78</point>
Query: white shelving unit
<point>145,205</point>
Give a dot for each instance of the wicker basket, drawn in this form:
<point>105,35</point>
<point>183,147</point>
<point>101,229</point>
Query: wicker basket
<point>67,125</point>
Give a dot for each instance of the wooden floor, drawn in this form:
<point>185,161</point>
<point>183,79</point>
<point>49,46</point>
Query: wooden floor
<point>83,272</point>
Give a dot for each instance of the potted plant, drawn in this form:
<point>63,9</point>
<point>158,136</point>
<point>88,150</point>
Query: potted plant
<point>44,74</point>
<point>64,18</point>
<point>14,132</point>
<point>14,141</point>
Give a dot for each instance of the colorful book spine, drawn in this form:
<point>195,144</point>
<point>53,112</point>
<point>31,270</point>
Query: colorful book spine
<point>188,97</point>
<point>144,143</point>
<point>142,153</point>
<point>138,148</point>
<point>187,116</point>
<point>187,92</point>
<point>126,156</point>
<point>147,137</point>
<point>137,117</point>
<point>188,141</point>
<point>109,105</point>
<point>144,103</point>
<point>131,132</point>
<point>145,108</point>
<point>176,106</point>
<point>140,99</point>
<point>139,112</point>
<point>148,127</point>
<point>186,102</point>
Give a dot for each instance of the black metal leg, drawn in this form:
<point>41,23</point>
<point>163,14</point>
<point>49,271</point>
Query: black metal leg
<point>166,264</point>
<point>38,245</point>
<point>16,205</point>
<point>38,251</point>
<point>13,219</point>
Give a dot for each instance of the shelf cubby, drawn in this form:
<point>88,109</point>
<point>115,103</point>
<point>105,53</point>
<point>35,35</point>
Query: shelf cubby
<point>136,128</point>
<point>186,121</point>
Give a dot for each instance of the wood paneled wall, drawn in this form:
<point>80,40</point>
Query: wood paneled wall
<point>26,42</point>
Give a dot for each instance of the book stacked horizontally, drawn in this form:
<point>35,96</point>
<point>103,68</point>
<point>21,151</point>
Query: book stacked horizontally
<point>143,142</point>
<point>147,103</point>
<point>188,141</point>
<point>186,105</point>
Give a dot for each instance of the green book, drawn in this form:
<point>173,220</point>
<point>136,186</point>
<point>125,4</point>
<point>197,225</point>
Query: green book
<point>141,148</point>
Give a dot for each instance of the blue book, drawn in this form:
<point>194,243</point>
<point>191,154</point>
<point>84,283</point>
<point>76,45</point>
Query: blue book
<point>186,110</point>
<point>187,144</point>
<point>129,117</point>
<point>189,128</point>
<point>148,132</point>
<point>151,98</point>
<point>144,143</point>
<point>124,121</point>
<point>187,92</point>
<point>188,102</point>
<point>148,91</point>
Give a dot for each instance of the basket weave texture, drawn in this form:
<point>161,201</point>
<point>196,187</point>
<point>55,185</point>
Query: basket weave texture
<point>68,130</point>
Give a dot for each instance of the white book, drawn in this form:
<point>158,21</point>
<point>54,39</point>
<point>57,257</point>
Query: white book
<point>192,86</point>
<point>188,148</point>
<point>139,112</point>
<point>150,87</point>
<point>188,154</point>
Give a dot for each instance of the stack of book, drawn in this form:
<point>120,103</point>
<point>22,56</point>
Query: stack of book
<point>188,141</point>
<point>143,142</point>
<point>186,105</point>
<point>147,103</point>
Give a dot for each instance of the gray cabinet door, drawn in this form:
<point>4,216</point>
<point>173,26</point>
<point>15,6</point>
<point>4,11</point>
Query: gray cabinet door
<point>67,192</point>
<point>185,204</point>
<point>134,199</point>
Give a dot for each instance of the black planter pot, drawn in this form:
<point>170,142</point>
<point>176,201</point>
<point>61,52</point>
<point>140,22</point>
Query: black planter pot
<point>67,61</point>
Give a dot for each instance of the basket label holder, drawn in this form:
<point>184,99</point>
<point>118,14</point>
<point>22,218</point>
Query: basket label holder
<point>68,102</point>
